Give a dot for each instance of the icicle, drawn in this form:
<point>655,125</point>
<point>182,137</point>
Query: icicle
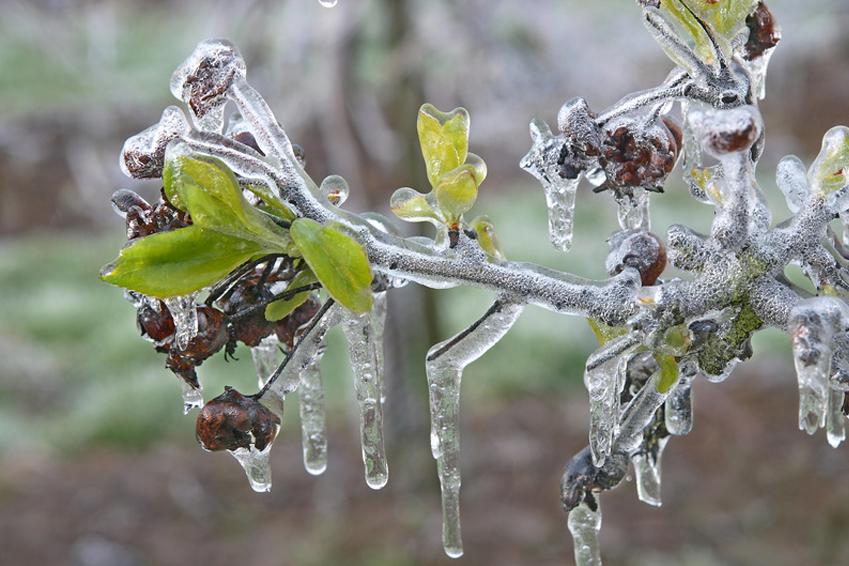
<point>835,421</point>
<point>192,397</point>
<point>183,310</point>
<point>633,211</point>
<point>287,378</point>
<point>256,465</point>
<point>678,410</point>
<point>445,364</point>
<point>647,471</point>
<point>604,383</point>
<point>378,326</point>
<point>812,358</point>
<point>637,416</point>
<point>266,357</point>
<point>541,162</point>
<point>363,350</point>
<point>585,524</point>
<point>313,428</point>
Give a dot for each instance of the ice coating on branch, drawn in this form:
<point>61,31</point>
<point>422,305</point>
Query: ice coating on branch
<point>604,381</point>
<point>813,323</point>
<point>313,422</point>
<point>143,155</point>
<point>368,377</point>
<point>585,524</point>
<point>256,465</point>
<point>266,356</point>
<point>287,378</point>
<point>183,310</point>
<point>445,364</point>
<point>541,162</point>
<point>637,416</point>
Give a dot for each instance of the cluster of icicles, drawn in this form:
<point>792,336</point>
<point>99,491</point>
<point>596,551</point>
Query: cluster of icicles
<point>667,319</point>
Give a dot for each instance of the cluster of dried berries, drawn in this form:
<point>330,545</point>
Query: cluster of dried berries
<point>634,154</point>
<point>630,153</point>
<point>232,421</point>
<point>233,313</point>
<point>144,219</point>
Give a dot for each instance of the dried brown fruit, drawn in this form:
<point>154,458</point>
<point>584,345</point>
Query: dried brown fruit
<point>232,421</point>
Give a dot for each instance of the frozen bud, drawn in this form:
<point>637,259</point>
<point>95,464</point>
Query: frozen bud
<point>202,81</point>
<point>232,421</point>
<point>155,322</point>
<point>635,154</point>
<point>581,477</point>
<point>143,155</point>
<point>721,132</point>
<point>636,248</point>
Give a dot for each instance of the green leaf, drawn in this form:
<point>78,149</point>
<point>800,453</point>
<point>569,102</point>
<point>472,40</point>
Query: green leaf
<point>830,171</point>
<point>456,193</point>
<point>488,237</point>
<point>726,19</point>
<point>179,262</point>
<point>668,372</point>
<point>338,260</point>
<point>279,309</point>
<point>413,206</point>
<point>444,139</point>
<point>206,188</point>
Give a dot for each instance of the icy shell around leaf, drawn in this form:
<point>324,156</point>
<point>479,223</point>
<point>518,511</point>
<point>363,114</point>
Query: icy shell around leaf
<point>368,379</point>
<point>585,525</point>
<point>183,310</point>
<point>445,364</point>
<point>541,162</point>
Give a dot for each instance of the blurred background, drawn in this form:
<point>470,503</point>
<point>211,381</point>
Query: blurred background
<point>98,466</point>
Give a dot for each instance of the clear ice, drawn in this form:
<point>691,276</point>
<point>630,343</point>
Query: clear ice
<point>368,378</point>
<point>678,410</point>
<point>541,162</point>
<point>585,525</point>
<point>633,210</point>
<point>313,425</point>
<point>835,421</point>
<point>813,323</point>
<point>445,364</point>
<point>183,310</point>
<point>647,472</point>
<point>604,382</point>
<point>256,465</point>
<point>287,377</point>
<point>266,356</point>
<point>192,396</point>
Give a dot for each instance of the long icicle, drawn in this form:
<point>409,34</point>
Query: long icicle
<point>445,364</point>
<point>313,422</point>
<point>368,372</point>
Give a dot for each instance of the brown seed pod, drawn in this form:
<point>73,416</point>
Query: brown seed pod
<point>763,33</point>
<point>232,421</point>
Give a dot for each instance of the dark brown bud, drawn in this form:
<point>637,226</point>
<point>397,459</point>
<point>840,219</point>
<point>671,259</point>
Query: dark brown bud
<point>232,421</point>
<point>763,33</point>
